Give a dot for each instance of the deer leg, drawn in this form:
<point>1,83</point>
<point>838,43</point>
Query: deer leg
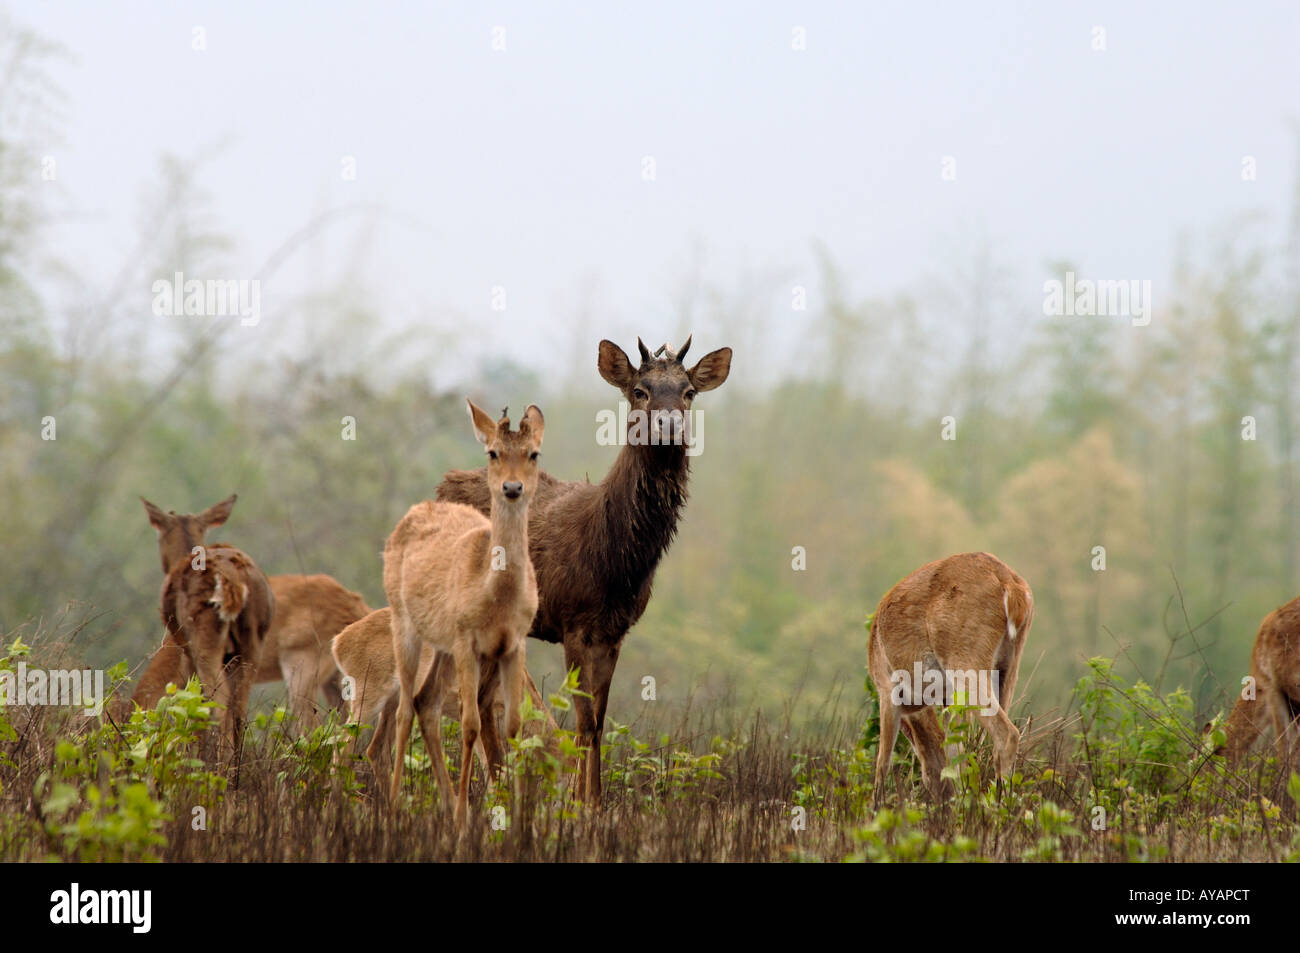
<point>242,677</point>
<point>467,676</point>
<point>356,714</point>
<point>377,752</point>
<point>512,688</point>
<point>216,686</point>
<point>927,738</point>
<point>576,657</point>
<point>1006,738</point>
<point>604,659</point>
<point>489,738</point>
<point>300,677</point>
<point>407,650</point>
<point>222,696</point>
<point>512,681</point>
<point>889,724</point>
<point>169,664</point>
<point>428,703</point>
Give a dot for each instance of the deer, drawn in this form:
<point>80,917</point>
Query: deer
<point>309,611</point>
<point>217,606</point>
<point>363,652</point>
<point>463,584</point>
<point>1275,668</point>
<point>595,547</point>
<point>963,619</point>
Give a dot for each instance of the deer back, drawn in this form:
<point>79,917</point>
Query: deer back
<point>225,607</point>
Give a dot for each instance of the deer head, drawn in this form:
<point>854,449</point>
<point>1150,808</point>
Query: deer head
<point>178,534</point>
<point>661,386</point>
<point>512,455</point>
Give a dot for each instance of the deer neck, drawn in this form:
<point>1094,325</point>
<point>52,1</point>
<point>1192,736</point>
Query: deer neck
<point>507,565</point>
<point>178,548</point>
<point>644,491</point>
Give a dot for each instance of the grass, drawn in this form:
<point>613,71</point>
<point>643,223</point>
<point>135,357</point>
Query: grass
<point>1125,777</point>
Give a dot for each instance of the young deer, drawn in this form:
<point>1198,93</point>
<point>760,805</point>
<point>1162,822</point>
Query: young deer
<point>309,611</point>
<point>596,546</point>
<point>217,606</point>
<point>1275,667</point>
<point>963,619</point>
<point>464,585</point>
<point>363,653</point>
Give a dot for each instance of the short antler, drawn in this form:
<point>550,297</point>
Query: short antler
<point>671,355</point>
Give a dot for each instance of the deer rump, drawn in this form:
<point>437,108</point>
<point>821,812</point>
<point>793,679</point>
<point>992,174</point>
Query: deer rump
<point>221,612</point>
<point>965,616</point>
<point>1275,667</point>
<point>935,616</point>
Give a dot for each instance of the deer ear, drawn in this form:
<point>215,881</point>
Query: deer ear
<point>218,513</point>
<point>157,518</point>
<point>485,428</point>
<point>533,423</point>
<point>712,369</point>
<point>614,366</point>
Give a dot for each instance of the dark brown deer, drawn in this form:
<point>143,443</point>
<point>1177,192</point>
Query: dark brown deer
<point>1275,667</point>
<point>595,547</point>
<point>217,606</point>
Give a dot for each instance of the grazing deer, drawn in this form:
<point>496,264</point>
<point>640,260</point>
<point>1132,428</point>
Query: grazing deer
<point>1275,667</point>
<point>463,584</point>
<point>216,605</point>
<point>364,653</point>
<point>309,611</point>
<point>596,547</point>
<point>963,619</point>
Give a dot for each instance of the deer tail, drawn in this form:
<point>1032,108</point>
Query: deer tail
<point>229,594</point>
<point>1019,607</point>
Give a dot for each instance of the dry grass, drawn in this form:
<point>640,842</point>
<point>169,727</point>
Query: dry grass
<point>681,785</point>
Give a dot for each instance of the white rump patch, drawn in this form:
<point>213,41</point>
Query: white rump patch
<point>218,600</point>
<point>1006,608</point>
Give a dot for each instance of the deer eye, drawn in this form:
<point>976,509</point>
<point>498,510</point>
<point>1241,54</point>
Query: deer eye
<point>689,395</point>
<point>639,394</point>
<point>533,456</point>
<point>492,454</point>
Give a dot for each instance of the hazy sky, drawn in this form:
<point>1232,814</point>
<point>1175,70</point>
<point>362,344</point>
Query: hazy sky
<point>523,168</point>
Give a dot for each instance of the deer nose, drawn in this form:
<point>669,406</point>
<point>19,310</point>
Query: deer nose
<point>513,489</point>
<point>670,424</point>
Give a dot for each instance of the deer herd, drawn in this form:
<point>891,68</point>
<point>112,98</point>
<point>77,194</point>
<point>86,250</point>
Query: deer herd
<point>506,552</point>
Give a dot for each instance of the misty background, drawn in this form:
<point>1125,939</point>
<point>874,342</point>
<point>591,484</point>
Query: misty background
<point>863,203</point>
